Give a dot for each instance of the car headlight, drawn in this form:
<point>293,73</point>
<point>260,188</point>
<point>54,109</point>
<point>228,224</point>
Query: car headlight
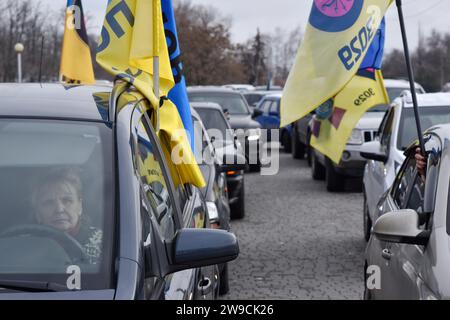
<point>253,134</point>
<point>356,137</point>
<point>213,213</point>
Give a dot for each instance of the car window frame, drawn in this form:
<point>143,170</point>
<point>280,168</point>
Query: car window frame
<point>142,115</point>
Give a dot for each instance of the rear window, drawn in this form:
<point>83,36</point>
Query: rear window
<point>233,103</point>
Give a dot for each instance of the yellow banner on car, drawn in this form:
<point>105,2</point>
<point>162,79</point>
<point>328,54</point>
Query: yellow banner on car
<point>76,60</point>
<point>132,36</point>
<point>330,134</point>
<point>336,40</point>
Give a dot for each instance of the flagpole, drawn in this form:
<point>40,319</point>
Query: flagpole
<point>410,75</point>
<point>156,60</point>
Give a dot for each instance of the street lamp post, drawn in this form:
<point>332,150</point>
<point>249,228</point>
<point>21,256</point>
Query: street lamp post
<point>19,49</point>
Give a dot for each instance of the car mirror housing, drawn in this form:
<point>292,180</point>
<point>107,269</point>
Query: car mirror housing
<point>401,226</point>
<point>257,113</point>
<point>194,248</point>
<point>372,151</point>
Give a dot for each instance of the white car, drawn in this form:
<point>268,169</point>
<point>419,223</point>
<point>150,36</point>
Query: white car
<point>397,131</point>
<point>352,164</point>
<point>408,253</point>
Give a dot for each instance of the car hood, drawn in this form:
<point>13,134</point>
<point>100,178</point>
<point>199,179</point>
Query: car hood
<point>370,120</point>
<point>243,122</point>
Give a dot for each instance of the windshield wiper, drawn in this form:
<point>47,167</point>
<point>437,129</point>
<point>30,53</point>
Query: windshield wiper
<point>32,286</point>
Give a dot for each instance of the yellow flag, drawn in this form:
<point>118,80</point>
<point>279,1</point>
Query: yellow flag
<point>335,43</point>
<point>76,61</point>
<point>132,35</point>
<point>329,136</point>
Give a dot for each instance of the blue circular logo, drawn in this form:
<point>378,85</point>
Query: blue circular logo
<point>325,110</point>
<point>335,15</point>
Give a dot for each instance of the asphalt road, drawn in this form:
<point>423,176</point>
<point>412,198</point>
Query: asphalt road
<point>297,241</point>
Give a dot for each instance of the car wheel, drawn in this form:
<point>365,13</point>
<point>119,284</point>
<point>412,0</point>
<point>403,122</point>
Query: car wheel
<point>224,286</point>
<point>317,169</point>
<point>367,221</point>
<point>286,140</point>
<point>335,181</point>
<point>238,208</point>
<point>298,148</point>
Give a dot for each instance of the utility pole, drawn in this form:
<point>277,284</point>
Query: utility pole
<point>19,49</point>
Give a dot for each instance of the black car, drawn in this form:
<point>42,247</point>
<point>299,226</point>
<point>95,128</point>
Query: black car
<point>241,118</point>
<point>89,207</point>
<point>214,170</point>
<point>301,135</point>
<point>226,148</point>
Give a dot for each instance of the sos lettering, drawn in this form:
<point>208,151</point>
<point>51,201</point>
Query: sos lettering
<point>352,53</point>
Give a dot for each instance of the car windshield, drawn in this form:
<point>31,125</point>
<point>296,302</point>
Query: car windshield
<point>215,124</point>
<point>429,116</point>
<point>233,103</point>
<point>57,193</point>
<point>394,93</point>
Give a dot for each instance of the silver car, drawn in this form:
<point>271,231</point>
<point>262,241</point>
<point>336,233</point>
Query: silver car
<point>396,132</point>
<point>408,253</point>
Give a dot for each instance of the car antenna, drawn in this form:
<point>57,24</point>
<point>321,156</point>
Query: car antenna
<point>40,64</point>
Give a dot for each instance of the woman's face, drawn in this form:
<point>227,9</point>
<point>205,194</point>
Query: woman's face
<point>58,205</point>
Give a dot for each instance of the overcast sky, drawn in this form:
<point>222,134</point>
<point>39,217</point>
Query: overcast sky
<point>248,15</point>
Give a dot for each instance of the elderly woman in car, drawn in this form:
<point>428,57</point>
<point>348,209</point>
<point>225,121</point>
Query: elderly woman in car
<point>57,202</point>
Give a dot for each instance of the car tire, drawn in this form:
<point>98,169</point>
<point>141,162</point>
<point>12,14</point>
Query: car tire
<point>297,148</point>
<point>334,181</point>
<point>286,141</point>
<point>224,285</point>
<point>367,222</point>
<point>317,169</point>
<point>238,208</point>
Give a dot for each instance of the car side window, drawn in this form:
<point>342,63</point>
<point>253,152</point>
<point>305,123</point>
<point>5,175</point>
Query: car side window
<point>403,181</point>
<point>265,107</point>
<point>154,184</point>
<point>274,107</point>
<point>386,134</point>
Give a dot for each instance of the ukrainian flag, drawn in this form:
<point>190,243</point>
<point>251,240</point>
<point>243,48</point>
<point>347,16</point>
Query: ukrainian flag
<point>336,41</point>
<point>132,37</point>
<point>76,61</point>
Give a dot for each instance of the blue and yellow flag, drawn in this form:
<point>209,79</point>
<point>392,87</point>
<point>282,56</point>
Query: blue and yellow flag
<point>336,40</point>
<point>76,61</point>
<point>330,131</point>
<point>132,35</point>
<point>178,94</point>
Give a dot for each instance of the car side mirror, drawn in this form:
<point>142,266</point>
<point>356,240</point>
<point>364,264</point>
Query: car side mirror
<point>194,248</point>
<point>233,162</point>
<point>401,226</point>
<point>257,113</point>
<point>372,151</point>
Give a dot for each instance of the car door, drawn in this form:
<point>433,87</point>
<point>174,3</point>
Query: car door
<point>273,121</point>
<point>408,260</point>
<point>160,202</point>
<point>380,252</point>
<point>376,182</point>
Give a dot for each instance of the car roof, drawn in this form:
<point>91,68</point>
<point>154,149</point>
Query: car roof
<point>211,89</point>
<point>55,101</point>
<point>427,99</point>
<point>274,96</point>
<point>206,105</point>
<point>398,83</point>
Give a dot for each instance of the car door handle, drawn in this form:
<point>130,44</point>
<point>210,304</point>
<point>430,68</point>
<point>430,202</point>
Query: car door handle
<point>386,254</point>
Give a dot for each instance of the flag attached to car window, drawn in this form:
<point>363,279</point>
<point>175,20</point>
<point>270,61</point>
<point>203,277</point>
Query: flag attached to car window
<point>76,60</point>
<point>132,36</point>
<point>336,41</point>
<point>178,94</point>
